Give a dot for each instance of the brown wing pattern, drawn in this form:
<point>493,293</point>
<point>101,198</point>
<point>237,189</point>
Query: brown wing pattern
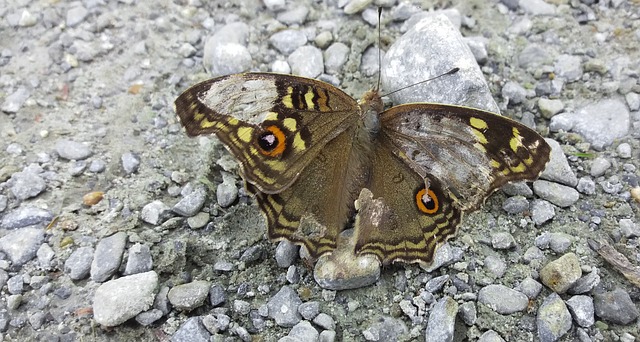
<point>475,151</point>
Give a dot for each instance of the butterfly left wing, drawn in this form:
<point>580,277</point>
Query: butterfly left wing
<point>471,151</point>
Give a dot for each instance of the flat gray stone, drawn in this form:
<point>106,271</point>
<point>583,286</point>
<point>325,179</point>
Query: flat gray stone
<point>502,299</point>
<point>187,297</point>
<point>442,318</point>
<point>139,259</point>
<point>283,307</point>
<point>72,150</point>
<point>306,61</point>
<point>108,256</point>
<point>558,194</point>
<point>553,319</point>
<point>26,216</point>
<point>191,331</point>
<point>558,169</point>
<point>582,310</point>
<point>26,185</point>
<point>78,264</point>
<point>616,307</point>
<point>119,300</point>
<point>22,245</point>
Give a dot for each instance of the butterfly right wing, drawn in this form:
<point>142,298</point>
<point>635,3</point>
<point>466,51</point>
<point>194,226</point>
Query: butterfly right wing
<point>273,124</point>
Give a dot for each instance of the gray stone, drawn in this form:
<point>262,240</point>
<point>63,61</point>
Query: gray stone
<point>187,297</point>
<point>148,317</point>
<point>26,185</point>
<point>306,61</point>
<point>108,256</point>
<point>559,275</point>
<point>119,300</point>
<point>586,283</point>
<point>304,332</point>
<point>15,100</point>
<point>616,307</point>
<point>568,67</point>
<point>386,329</point>
<point>436,40</point>
<point>335,56</point>
<point>629,229</point>
<point>558,169</point>
<point>293,275</point>
<point>445,255</point>
<point>550,107</point>
<point>45,256</point>
<point>530,287</point>
<point>517,189</point>
<point>502,240</point>
<point>155,212</point>
<point>78,264</point>
<point>553,319</point>
<point>97,166</point>
<point>327,336</point>
<point>490,336</point>
<point>586,186</point>
<point>251,254</point>
<point>442,318</point>
<point>533,56</point>
<point>287,41</point>
<point>502,299</point>
<point>296,15</point>
<point>22,245</point>
<point>560,242</point>
<point>192,330</point>
<point>495,265</point>
<point>599,166</point>
<point>515,205</point>
<point>217,295</point>
<point>191,204</point>
<point>283,307</point>
<point>130,162</point>
<point>558,194</point>
<point>139,259</point>
<point>76,15</point>
<point>241,307</point>
<point>26,216</point>
<point>161,302</point>
<point>582,310</point>
<point>537,7</point>
<point>589,120</point>
<point>514,93</point>
<point>72,150</point>
<point>356,6</point>
<point>624,151</point>
<point>435,284</point>
<point>286,254</point>
<point>15,284</point>
<point>478,47</point>
<point>468,312</point>
<point>227,191</point>
<point>309,310</point>
<point>199,220</point>
<point>223,266</point>
<point>216,323</point>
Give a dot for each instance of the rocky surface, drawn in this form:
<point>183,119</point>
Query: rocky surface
<point>173,247</point>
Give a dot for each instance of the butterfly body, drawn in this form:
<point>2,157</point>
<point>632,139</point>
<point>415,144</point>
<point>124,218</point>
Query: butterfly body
<point>307,150</point>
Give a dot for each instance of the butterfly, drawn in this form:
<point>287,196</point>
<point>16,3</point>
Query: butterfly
<point>307,151</point>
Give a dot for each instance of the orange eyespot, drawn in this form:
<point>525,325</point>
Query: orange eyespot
<point>272,141</point>
<point>427,202</point>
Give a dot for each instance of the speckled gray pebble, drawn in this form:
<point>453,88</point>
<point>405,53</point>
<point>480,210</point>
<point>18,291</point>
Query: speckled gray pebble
<point>199,220</point>
<point>72,150</point>
<point>26,185</point>
<point>155,212</point>
<point>560,242</point>
<point>442,318</point>
<point>15,100</point>
<point>582,310</point>
<point>586,283</point>
<point>295,15</point>
<point>78,264</point>
<point>108,256</point>
<point>385,329</point>
<point>542,211</point>
<point>76,14</point>
<point>514,92</point>
<point>553,319</point>
<point>558,194</point>
<point>502,240</point>
<point>616,307</point>
<point>241,307</point>
<point>217,295</point>
<point>139,259</point>
<point>45,256</point>
<point>304,332</point>
<point>21,245</point>
<point>558,168</point>
<point>628,228</point>
<point>599,166</point>
<point>190,204</point>
<point>119,300</point>
<point>515,205</point>
<point>550,107</point>
<point>306,61</point>
<point>192,330</point>
<point>286,254</point>
<point>490,336</point>
<point>216,323</point>
<point>468,312</point>
<point>324,321</point>
<point>502,299</point>
<point>226,194</point>
<point>283,307</point>
<point>287,41</point>
<point>624,151</point>
<point>586,185</point>
<point>309,310</point>
<point>15,284</point>
<point>335,56</point>
<point>495,265</point>
<point>97,166</point>
<point>187,297</point>
<point>130,162</point>
<point>148,317</point>
<point>530,287</point>
<point>26,216</point>
<point>435,284</point>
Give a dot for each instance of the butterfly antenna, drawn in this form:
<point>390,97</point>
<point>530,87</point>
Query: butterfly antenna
<point>379,49</point>
<point>450,72</point>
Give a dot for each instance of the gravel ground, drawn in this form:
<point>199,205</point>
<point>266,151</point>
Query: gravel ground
<point>116,226</point>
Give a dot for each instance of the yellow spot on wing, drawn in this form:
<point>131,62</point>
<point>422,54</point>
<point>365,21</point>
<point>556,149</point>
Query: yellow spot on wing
<point>233,121</point>
<point>478,123</point>
<point>529,161</point>
<point>271,116</point>
<point>276,165</point>
<point>299,143</point>
<point>480,147</point>
<point>245,133</point>
<point>290,124</point>
<point>286,100</point>
<point>206,123</point>
<point>494,163</point>
<point>481,138</point>
<point>308,98</point>
<point>519,168</point>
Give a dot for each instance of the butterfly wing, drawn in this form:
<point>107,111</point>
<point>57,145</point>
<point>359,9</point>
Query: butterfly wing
<point>273,124</point>
<point>406,221</point>
<point>315,209</point>
<point>472,152</point>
